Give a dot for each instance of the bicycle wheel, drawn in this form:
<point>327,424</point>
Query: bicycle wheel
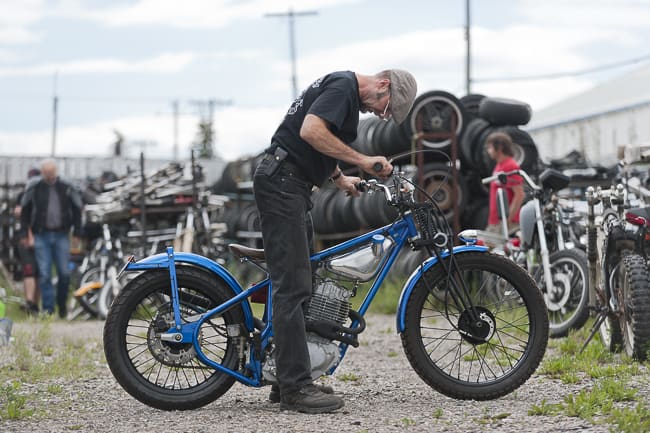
<point>162,374</point>
<point>633,296</point>
<point>568,300</point>
<point>479,360</point>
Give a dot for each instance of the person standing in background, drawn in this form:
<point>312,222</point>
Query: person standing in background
<point>498,146</point>
<point>27,255</point>
<point>51,208</point>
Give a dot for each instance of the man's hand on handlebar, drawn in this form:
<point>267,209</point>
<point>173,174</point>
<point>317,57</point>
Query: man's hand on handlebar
<point>348,184</point>
<point>377,166</point>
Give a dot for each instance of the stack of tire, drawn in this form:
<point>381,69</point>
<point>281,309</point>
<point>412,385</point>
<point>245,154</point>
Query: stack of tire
<point>434,118</point>
<point>484,116</point>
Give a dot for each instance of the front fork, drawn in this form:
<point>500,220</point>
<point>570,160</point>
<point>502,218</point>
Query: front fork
<point>543,247</point>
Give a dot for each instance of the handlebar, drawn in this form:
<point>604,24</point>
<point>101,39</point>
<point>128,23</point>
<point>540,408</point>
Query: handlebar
<point>502,177</point>
<point>373,185</point>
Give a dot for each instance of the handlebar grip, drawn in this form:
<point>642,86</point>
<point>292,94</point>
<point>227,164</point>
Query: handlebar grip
<point>361,186</point>
<point>487,180</point>
<point>378,166</point>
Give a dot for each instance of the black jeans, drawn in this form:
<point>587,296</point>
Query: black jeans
<point>283,200</point>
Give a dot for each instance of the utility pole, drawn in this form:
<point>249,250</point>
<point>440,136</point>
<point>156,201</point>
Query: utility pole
<point>55,109</point>
<point>468,71</point>
<point>175,113</point>
<point>292,41</point>
<point>207,117</point>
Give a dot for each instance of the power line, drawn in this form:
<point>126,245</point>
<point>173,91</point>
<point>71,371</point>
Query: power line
<point>567,73</point>
<point>292,41</point>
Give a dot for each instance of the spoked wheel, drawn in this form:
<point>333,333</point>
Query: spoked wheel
<point>164,374</point>
<point>481,352</point>
<point>568,300</point>
<point>633,293</point>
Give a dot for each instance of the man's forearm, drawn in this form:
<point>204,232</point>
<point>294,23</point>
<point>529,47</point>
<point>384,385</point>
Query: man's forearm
<point>316,133</point>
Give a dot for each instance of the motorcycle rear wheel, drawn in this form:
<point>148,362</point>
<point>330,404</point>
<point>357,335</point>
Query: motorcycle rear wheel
<point>167,375</point>
<point>466,360</point>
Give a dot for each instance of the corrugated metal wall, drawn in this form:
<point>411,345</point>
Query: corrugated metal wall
<point>597,136</point>
<point>13,169</point>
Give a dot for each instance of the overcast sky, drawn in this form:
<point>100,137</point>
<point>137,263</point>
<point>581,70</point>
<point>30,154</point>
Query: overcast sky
<point>118,65</point>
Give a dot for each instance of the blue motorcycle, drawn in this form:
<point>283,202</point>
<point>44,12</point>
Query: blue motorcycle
<point>473,324</point>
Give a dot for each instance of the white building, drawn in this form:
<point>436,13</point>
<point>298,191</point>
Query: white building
<point>597,121</point>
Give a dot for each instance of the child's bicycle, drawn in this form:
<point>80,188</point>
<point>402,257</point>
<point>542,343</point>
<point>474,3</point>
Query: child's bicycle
<point>473,324</point>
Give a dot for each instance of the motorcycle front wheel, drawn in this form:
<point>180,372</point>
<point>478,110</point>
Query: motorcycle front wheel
<point>568,300</point>
<point>483,342</point>
<point>634,303</point>
<point>164,374</point>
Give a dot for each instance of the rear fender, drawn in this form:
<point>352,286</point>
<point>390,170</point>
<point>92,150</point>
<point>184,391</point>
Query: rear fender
<point>161,261</point>
<point>412,281</point>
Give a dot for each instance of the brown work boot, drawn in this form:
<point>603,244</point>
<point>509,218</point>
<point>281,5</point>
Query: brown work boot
<point>274,395</point>
<point>310,399</point>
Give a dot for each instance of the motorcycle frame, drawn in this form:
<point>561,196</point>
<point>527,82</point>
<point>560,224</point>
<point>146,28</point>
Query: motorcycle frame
<point>401,231</point>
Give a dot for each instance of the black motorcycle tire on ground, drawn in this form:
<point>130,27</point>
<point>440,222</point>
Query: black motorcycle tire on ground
<point>635,322</point>
<point>154,284</point>
<point>580,298</point>
<point>532,349</point>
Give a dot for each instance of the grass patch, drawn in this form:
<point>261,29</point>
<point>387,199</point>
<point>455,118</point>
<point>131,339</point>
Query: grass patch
<point>349,377</point>
<point>546,409</point>
<point>609,395</point>
<point>37,366</point>
<point>38,357</point>
<point>13,403</point>
<point>407,422</point>
<point>631,420</point>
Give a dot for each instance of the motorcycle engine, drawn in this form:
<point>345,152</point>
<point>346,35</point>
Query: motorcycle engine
<point>329,302</point>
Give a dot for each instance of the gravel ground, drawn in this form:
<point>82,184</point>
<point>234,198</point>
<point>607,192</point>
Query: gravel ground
<point>381,391</point>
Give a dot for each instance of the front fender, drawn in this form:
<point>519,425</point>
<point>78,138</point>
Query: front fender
<point>161,261</point>
<point>417,274</point>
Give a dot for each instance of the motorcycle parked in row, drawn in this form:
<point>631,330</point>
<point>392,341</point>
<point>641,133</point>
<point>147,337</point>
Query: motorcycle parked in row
<point>472,323</point>
<point>545,246</point>
<point>618,271</point>
<point>98,283</point>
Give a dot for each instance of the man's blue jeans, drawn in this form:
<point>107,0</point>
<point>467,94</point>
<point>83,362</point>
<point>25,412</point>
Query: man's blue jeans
<point>53,247</point>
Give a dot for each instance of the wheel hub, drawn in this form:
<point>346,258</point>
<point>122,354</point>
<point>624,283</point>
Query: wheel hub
<point>558,295</point>
<point>477,332</point>
<point>167,352</point>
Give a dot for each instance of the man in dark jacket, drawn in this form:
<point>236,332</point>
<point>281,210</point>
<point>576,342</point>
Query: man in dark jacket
<point>51,207</point>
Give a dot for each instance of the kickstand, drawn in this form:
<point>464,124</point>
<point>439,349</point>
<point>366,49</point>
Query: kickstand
<point>602,315</point>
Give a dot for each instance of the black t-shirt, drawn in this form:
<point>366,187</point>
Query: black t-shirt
<point>335,99</point>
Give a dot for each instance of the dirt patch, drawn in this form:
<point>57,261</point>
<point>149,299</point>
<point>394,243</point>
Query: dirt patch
<point>381,392</point>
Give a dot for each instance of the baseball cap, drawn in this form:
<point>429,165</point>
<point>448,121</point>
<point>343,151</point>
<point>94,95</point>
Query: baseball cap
<point>403,89</point>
